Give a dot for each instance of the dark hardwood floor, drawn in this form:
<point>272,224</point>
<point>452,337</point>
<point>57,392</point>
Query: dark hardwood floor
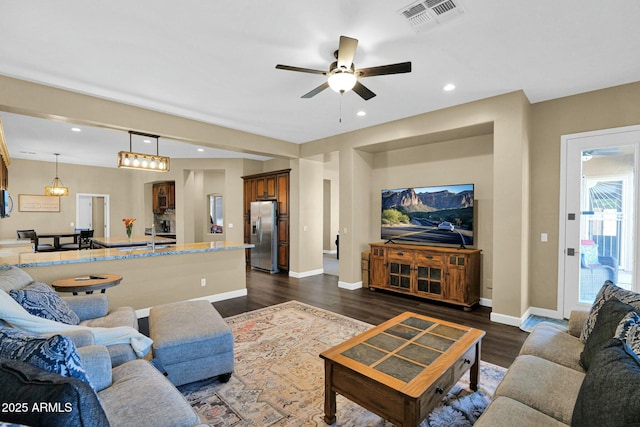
<point>500,346</point>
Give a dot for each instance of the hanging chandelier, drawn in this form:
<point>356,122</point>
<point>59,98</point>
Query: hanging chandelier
<point>56,188</point>
<point>150,162</point>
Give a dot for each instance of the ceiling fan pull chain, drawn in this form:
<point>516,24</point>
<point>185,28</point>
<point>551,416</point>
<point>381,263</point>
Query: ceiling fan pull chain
<point>340,119</point>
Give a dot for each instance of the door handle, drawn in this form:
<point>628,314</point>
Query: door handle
<point>571,252</point>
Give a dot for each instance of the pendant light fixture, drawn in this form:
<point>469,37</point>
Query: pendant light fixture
<point>150,162</point>
<point>56,188</point>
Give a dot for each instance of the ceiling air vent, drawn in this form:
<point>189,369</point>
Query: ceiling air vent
<point>427,14</point>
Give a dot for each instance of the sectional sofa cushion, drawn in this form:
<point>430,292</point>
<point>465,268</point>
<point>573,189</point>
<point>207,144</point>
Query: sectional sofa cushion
<point>542,385</point>
<point>552,342</point>
<point>608,291</point>
<point>13,278</point>
<point>40,300</point>
<point>138,390</point>
<point>55,354</point>
<point>506,412</point>
<point>609,316</point>
<point>609,395</point>
<point>41,398</point>
<point>628,331</point>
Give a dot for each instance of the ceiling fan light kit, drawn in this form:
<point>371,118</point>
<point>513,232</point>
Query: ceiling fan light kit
<point>341,81</point>
<point>343,76</point>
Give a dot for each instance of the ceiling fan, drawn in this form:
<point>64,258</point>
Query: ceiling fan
<point>343,76</point>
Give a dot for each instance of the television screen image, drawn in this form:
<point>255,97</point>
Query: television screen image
<point>428,215</point>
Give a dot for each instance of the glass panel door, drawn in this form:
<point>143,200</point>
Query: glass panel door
<point>600,221</point>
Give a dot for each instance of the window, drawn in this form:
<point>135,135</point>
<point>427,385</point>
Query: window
<point>216,214</point>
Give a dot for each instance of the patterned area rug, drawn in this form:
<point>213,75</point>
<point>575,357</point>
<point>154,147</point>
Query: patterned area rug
<point>279,377</point>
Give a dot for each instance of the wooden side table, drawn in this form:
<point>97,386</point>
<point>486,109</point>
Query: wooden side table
<point>87,284</point>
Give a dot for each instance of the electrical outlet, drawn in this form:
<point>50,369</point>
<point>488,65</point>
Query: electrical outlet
<point>203,282</point>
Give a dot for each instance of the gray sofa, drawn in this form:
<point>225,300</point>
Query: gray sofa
<point>541,386</point>
<point>547,385</point>
<point>131,392</point>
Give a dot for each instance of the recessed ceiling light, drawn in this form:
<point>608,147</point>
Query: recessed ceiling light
<point>449,87</point>
<point>76,129</point>
<point>200,149</point>
<point>361,113</point>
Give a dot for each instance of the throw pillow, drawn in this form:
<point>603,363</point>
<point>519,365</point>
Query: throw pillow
<point>55,354</point>
<point>608,396</point>
<point>13,278</point>
<point>35,397</point>
<point>609,316</point>
<point>40,300</point>
<point>628,331</point>
<point>608,291</point>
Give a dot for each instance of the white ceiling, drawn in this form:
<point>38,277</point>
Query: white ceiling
<point>215,61</point>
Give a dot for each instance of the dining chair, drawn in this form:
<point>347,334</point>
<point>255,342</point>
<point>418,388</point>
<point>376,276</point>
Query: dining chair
<point>33,236</point>
<point>83,242</point>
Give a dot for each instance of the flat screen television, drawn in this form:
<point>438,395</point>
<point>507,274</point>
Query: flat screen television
<point>441,215</point>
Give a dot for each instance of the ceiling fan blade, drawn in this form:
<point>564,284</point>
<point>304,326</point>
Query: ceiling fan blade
<point>316,91</point>
<point>402,67</point>
<point>302,70</point>
<point>346,52</point>
<point>363,91</point>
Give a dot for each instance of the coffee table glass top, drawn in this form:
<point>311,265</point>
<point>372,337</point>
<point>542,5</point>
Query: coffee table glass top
<point>405,349</point>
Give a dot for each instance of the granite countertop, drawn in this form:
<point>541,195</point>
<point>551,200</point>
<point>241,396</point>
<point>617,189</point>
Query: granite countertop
<point>30,259</point>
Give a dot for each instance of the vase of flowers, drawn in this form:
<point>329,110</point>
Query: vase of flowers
<point>128,225</point>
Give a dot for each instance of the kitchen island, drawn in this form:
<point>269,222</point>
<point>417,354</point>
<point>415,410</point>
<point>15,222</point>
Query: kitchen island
<point>121,242</point>
<point>208,270</point>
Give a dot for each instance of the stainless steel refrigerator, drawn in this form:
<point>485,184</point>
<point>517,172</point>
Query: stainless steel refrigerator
<point>264,236</point>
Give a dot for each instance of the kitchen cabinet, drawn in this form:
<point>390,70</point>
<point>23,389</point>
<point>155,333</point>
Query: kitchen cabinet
<point>270,186</point>
<point>266,188</point>
<point>4,175</point>
<point>438,273</point>
<point>164,196</point>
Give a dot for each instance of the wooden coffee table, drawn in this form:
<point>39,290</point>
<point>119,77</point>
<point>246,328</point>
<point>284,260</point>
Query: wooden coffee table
<point>87,284</point>
<point>402,368</point>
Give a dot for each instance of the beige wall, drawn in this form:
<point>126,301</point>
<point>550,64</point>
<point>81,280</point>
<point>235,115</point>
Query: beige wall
<point>525,173</point>
<point>30,177</point>
<point>151,281</point>
<point>507,118</point>
<point>461,161</point>
<point>603,109</point>
<point>130,195</point>
<point>306,227</point>
<point>331,200</point>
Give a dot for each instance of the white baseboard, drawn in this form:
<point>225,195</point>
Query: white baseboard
<point>504,319</point>
<point>486,302</point>
<point>329,251</point>
<point>300,275</point>
<point>144,312</point>
<point>350,286</point>
<point>517,321</point>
